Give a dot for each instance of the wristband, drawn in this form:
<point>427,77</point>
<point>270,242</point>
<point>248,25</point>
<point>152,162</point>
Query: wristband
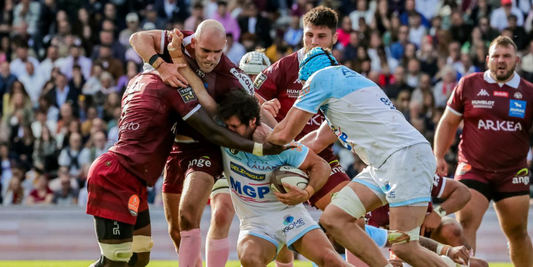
<point>258,149</point>
<point>170,49</point>
<point>440,249</point>
<point>310,191</point>
<point>158,63</point>
<point>153,59</point>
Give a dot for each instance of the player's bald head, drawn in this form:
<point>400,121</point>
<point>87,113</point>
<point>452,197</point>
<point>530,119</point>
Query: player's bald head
<point>210,28</point>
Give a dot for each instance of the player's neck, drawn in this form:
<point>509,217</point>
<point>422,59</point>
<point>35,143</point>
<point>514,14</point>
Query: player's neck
<point>500,81</point>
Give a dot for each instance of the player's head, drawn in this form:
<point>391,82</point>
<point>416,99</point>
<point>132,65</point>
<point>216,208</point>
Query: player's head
<point>208,42</point>
<point>240,112</point>
<point>253,63</point>
<point>502,58</point>
<point>320,28</point>
<point>315,60</point>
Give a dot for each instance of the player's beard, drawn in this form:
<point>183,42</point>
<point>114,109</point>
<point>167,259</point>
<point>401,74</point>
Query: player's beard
<point>502,77</point>
<point>307,49</point>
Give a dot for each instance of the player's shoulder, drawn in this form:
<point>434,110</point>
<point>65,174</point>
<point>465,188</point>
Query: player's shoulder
<point>476,76</point>
<point>526,83</point>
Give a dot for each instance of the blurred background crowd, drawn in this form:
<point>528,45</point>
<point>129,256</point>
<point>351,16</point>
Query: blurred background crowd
<point>64,65</point>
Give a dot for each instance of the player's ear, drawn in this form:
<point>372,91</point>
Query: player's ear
<point>335,37</point>
<point>252,122</point>
<point>193,42</point>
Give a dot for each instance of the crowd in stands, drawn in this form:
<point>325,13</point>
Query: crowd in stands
<point>64,65</point>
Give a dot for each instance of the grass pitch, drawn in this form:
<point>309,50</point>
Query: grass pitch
<point>152,264</point>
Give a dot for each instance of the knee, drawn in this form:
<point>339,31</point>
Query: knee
<point>222,215</point>
<point>517,232</point>
<point>174,232</point>
<point>188,219</point>
<point>329,221</point>
<point>402,250</point>
<point>252,260</point>
<point>451,231</point>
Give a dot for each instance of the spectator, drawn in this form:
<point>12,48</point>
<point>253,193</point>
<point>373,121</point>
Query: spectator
<point>33,83</point>
<point>466,66</point>
<point>27,11</point>
<point>76,58</point>
<point>40,122</point>
<point>410,9</point>
<point>233,50</point>
<point>444,88</point>
<point>41,195</point>
<point>480,57</point>
<point>398,83</point>
<point>499,16</point>
<point>398,47</point>
<point>362,11</point>
<point>382,17</point>
<point>152,18</point>
<point>66,195</point>
<point>132,21</point>
<point>519,33</point>
<point>6,81</point>
<point>17,99</point>
<point>294,33</point>
<point>6,17</point>
<point>112,102</point>
<point>51,60</point>
<point>108,83</point>
<point>107,40</point>
<point>252,22</point>
<point>527,63</point>
<point>62,93</point>
<point>428,59</point>
<point>229,23</point>
<point>424,87</point>
<point>413,72</point>
<point>67,116</point>
<point>69,156</point>
<point>428,9</point>
<point>110,14</point>
<point>18,66</point>
<point>109,63</point>
<point>8,161</point>
<point>482,10</point>
<point>93,84</point>
<point>92,113</point>
<point>169,9</point>
<point>23,145</point>
<point>88,39</point>
<point>89,154</point>
<point>350,51</point>
<point>344,31</point>
<point>45,152</point>
<point>51,111</point>
<point>192,22</point>
<point>131,70</point>
<point>416,30</point>
<point>77,81</point>
<point>15,192</point>
<point>460,30</point>
<point>409,53</point>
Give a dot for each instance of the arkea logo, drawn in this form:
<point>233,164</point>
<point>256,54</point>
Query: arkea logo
<point>483,92</point>
<point>517,108</point>
<point>506,126</point>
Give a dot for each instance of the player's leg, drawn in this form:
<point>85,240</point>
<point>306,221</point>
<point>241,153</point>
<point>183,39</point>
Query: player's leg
<point>255,251</point>
<point>315,246</point>
<point>471,215</point>
<point>142,240</point>
<point>222,212</point>
<point>405,221</point>
<point>513,214</point>
<point>450,232</point>
<point>285,258</point>
<point>115,240</point>
<point>196,190</point>
<point>339,220</point>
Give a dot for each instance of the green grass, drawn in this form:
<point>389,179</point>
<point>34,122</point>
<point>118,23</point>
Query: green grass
<point>152,264</point>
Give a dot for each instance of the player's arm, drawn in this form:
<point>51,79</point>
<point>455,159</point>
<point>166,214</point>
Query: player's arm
<point>290,126</point>
<point>444,137</point>
<point>459,254</point>
<point>149,44</point>
<point>319,139</point>
<point>268,109</point>
<point>216,134</point>
<point>456,195</point>
<point>318,171</point>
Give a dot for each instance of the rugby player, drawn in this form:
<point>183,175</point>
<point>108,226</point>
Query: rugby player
<point>117,180</point>
<point>497,111</point>
<point>400,162</point>
<point>194,163</point>
<point>270,220</point>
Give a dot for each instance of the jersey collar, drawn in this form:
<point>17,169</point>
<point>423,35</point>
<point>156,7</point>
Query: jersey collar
<point>514,82</point>
<point>301,54</point>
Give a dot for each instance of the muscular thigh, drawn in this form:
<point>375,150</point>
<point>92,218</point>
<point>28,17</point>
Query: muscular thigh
<point>513,214</point>
<point>256,247</point>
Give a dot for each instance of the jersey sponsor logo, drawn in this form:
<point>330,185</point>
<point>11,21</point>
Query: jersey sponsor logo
<point>343,137</point>
<point>463,168</point>
<point>261,165</point>
<point>497,125</point>
<point>116,228</point>
<point>501,94</point>
<point>436,180</point>
<point>303,92</point>
<point>387,102</point>
<point>348,72</point>
<point>201,162</point>
<point>315,120</point>
<point>131,126</point>
<point>522,177</point>
<point>293,93</point>
<point>290,223</point>
<point>187,94</point>
<point>245,173</point>
<point>259,80</point>
<point>517,108</point>
<point>483,103</point>
<point>244,80</point>
<point>483,92</point>
<point>249,192</point>
<point>518,95</point>
<point>133,205</point>
<point>200,73</point>
<point>298,81</point>
<point>297,146</point>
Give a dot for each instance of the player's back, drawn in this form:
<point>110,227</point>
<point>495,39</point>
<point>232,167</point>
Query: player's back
<point>249,179</point>
<point>359,112</point>
<point>149,110</point>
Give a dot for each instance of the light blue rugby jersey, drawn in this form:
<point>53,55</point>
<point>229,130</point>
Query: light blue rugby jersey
<point>249,179</point>
<point>359,112</point>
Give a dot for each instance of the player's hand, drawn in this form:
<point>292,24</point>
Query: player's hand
<point>271,149</point>
<point>261,133</point>
<point>294,196</point>
<point>272,106</point>
<point>174,47</point>
<point>442,167</point>
<point>459,254</point>
<point>396,262</point>
<point>170,75</point>
<point>430,224</point>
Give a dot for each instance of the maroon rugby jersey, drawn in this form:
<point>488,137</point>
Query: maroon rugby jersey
<point>149,110</point>
<point>380,216</point>
<point>280,81</point>
<point>497,119</point>
<point>219,82</point>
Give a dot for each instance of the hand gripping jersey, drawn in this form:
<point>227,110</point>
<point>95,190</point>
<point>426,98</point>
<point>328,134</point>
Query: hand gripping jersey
<point>149,110</point>
<point>249,179</point>
<point>497,119</point>
<point>358,111</point>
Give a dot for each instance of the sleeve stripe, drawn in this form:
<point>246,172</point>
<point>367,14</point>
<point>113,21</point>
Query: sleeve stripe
<point>442,187</point>
<point>191,112</point>
<point>306,110</point>
<point>454,111</point>
<point>162,47</point>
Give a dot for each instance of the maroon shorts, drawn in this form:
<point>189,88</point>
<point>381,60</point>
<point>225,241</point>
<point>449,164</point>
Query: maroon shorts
<point>114,192</point>
<point>336,177</point>
<point>187,158</point>
<point>494,185</point>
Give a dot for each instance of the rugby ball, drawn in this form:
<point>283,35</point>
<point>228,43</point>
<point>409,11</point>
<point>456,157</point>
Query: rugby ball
<point>289,175</point>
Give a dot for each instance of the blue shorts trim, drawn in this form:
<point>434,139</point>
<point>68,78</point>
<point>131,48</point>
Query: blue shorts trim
<point>271,240</point>
<point>302,233</point>
<point>409,202</point>
<point>367,184</point>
